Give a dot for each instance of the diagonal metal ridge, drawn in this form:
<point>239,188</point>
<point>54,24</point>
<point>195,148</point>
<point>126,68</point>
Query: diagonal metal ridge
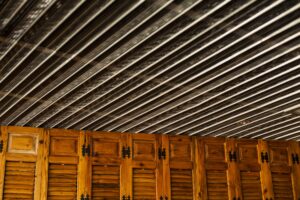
<point>192,67</point>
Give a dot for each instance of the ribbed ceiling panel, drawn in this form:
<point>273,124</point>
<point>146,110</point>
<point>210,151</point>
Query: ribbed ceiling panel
<point>193,67</point>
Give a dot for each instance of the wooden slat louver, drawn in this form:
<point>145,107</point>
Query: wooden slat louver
<point>217,188</point>
<point>212,167</point>
<point>106,182</point>
<point>62,182</point>
<point>180,172</point>
<point>144,167</point>
<point>19,180</point>
<point>144,184</point>
<point>251,185</point>
<point>281,169</point>
<point>249,169</point>
<point>62,165</point>
<point>107,166</point>
<point>282,186</point>
<point>181,184</point>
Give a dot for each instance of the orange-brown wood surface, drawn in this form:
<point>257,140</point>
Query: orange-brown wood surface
<point>212,169</point>
<point>21,161</point>
<point>249,169</point>
<point>59,164</point>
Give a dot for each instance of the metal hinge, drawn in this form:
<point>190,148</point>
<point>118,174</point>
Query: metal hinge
<point>126,152</point>
<point>232,156</point>
<point>162,153</point>
<point>264,157</point>
<point>1,146</point>
<point>126,198</point>
<point>84,197</point>
<point>295,158</point>
<point>85,150</point>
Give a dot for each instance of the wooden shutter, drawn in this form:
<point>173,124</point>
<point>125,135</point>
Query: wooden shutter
<point>294,151</point>
<point>266,177</point>
<point>212,169</point>
<point>62,167</point>
<point>249,169</point>
<point>107,167</point>
<point>179,172</point>
<point>145,169</point>
<point>21,163</point>
<point>281,170</point>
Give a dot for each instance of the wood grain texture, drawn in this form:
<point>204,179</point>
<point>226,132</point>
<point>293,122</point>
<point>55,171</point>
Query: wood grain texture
<point>294,149</point>
<point>249,169</point>
<point>265,174</point>
<point>63,173</point>
<point>233,173</point>
<point>144,167</point>
<point>48,164</point>
<point>212,169</point>
<point>281,169</point>
<point>181,171</point>
<point>21,163</point>
<point>107,174</point>
<point>3,138</point>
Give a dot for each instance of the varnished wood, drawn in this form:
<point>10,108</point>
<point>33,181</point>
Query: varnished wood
<point>64,165</point>
<point>44,165</point>
<point>234,184</point>
<point>266,178</point>
<point>200,182</point>
<point>166,168</point>
<point>281,170</point>
<point>106,163</point>
<point>50,164</point>
<point>21,162</point>
<point>3,137</point>
<point>82,165</point>
<point>181,171</point>
<point>143,167</point>
<point>295,149</point>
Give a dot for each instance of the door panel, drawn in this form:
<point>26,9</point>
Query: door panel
<point>179,174</point>
<point>144,167</point>
<point>63,160</point>
<point>212,168</point>
<point>249,169</point>
<point>21,163</point>
<point>65,164</point>
<point>107,167</point>
<point>281,170</point>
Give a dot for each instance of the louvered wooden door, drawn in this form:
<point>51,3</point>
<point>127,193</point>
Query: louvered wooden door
<point>178,167</point>
<point>294,150</point>
<point>249,169</point>
<point>145,168</point>
<point>21,163</point>
<point>281,170</point>
<point>63,165</point>
<point>107,167</point>
<point>212,169</point>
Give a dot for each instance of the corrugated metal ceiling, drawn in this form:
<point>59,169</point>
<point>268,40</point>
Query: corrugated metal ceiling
<point>207,67</point>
